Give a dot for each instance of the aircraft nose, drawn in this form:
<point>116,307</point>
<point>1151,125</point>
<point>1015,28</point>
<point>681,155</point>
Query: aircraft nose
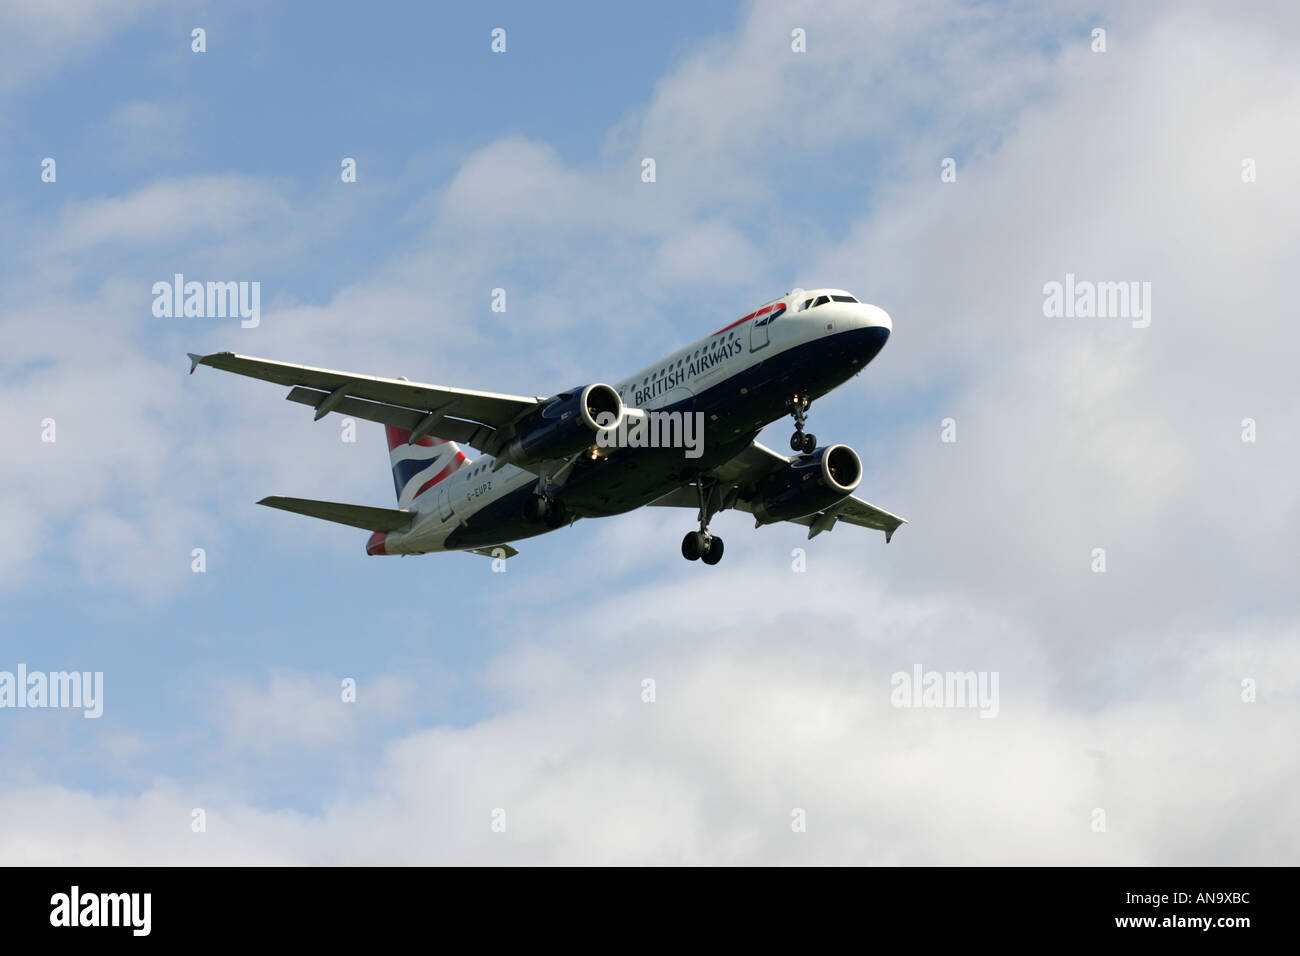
<point>874,328</point>
<point>874,317</point>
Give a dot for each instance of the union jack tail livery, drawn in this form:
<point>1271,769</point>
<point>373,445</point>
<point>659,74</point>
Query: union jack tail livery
<point>418,467</point>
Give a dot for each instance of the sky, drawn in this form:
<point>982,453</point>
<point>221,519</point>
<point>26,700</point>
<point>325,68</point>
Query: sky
<point>1148,706</point>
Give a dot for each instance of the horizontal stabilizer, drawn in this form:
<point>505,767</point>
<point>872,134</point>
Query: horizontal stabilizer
<point>496,551</point>
<point>358,516</point>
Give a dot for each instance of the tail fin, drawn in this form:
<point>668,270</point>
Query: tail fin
<point>418,467</point>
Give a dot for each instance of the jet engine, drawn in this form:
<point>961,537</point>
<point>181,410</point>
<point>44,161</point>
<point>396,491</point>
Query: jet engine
<point>566,425</point>
<point>809,484</point>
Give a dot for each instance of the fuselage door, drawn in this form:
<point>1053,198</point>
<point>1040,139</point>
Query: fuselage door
<point>444,503</point>
<point>758,332</point>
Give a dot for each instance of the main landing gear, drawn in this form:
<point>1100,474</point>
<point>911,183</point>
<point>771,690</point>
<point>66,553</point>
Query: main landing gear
<point>546,508</point>
<point>798,407</point>
<point>544,504</point>
<point>700,545</point>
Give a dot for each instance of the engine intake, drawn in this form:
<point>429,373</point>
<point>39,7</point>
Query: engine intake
<point>566,425</point>
<point>809,484</point>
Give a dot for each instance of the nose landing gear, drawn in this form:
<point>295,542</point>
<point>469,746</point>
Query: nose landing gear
<point>798,406</point>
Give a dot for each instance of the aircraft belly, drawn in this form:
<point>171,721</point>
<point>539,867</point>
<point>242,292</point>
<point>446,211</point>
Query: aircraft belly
<point>498,522</point>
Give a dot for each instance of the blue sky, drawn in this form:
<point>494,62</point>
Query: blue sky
<point>775,169</point>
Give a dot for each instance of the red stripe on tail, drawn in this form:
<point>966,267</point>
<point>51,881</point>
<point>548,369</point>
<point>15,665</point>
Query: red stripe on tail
<point>455,465</point>
<point>397,436</point>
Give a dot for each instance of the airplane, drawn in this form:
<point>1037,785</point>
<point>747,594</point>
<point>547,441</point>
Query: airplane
<point>550,461</point>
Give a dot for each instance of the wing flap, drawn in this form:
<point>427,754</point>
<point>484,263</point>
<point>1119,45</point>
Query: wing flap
<point>852,510</point>
<point>855,511</point>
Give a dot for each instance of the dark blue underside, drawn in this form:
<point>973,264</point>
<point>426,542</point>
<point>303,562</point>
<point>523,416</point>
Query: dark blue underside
<point>637,476</point>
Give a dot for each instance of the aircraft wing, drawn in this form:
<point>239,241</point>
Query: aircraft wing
<point>853,510</point>
<point>742,476</point>
<point>458,414</point>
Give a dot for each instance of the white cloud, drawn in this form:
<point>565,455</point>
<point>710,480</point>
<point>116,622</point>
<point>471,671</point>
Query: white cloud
<point>753,719</point>
<point>38,36</point>
<point>168,211</point>
<point>712,253</point>
<point>297,712</point>
<point>145,132</point>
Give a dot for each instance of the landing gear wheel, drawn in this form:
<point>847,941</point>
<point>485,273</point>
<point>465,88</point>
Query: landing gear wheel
<point>700,544</point>
<point>557,514</point>
<point>691,546</point>
<point>535,509</point>
<point>809,443</point>
<point>796,441</point>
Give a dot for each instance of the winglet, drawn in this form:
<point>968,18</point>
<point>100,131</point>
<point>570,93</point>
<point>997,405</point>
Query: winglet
<point>194,361</point>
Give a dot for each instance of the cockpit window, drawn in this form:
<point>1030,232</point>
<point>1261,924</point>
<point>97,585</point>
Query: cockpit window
<point>821,300</point>
<point>807,304</point>
<point>843,298</point>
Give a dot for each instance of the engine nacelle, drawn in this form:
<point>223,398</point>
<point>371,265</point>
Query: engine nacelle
<point>566,425</point>
<point>809,484</point>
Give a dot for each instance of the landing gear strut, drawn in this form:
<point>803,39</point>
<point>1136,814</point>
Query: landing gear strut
<point>700,545</point>
<point>798,407</point>
<point>543,504</point>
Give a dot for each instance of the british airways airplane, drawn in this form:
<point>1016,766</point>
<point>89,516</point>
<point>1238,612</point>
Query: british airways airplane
<point>549,461</point>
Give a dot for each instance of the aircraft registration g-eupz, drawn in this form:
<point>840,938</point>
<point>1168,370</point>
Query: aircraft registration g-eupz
<point>543,466</point>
